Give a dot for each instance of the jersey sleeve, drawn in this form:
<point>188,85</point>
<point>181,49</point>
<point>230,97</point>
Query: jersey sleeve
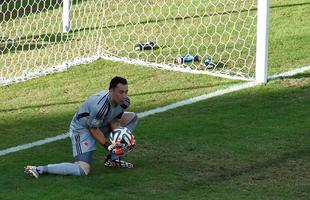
<point>94,123</point>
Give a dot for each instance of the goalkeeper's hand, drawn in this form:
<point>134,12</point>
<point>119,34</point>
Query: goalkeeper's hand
<point>120,149</point>
<point>117,148</point>
<point>132,143</point>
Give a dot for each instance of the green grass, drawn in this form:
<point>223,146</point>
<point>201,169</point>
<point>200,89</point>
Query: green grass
<point>288,39</point>
<point>252,144</point>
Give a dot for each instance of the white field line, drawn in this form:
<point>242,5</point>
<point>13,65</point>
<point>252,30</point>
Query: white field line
<point>33,144</point>
<point>230,89</point>
<point>290,73</point>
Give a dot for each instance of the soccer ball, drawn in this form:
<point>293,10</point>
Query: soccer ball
<point>122,135</point>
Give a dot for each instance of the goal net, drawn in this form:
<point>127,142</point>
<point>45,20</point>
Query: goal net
<point>215,37</point>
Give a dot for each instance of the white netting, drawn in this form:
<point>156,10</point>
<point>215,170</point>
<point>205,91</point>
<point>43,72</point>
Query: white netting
<point>32,41</point>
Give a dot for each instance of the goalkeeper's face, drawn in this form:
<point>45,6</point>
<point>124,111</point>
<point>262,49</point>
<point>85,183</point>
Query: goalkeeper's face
<point>119,93</point>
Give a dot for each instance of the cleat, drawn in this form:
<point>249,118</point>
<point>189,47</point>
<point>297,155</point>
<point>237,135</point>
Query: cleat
<point>32,171</point>
<point>117,164</point>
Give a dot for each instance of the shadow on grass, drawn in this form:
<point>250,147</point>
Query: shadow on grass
<point>255,167</point>
<point>131,95</point>
<point>11,47</point>
<point>290,5</point>
<point>25,43</point>
<point>249,138</point>
<point>36,42</point>
<point>174,90</point>
<point>40,106</point>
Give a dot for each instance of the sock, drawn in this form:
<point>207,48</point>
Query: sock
<point>62,169</point>
<point>112,156</point>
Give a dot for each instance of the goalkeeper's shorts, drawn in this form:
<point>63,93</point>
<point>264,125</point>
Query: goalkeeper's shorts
<point>82,143</point>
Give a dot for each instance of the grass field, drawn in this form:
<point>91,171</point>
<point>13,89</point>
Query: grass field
<point>251,144</point>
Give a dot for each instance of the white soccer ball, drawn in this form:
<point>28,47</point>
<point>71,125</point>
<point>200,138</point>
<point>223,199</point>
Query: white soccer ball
<point>122,135</point>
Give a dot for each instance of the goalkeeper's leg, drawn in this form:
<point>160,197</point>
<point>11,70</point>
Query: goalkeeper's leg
<point>81,167</point>
<point>82,152</point>
<point>129,120</point>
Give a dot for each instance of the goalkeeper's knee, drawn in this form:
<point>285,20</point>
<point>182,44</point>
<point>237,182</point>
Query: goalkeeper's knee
<point>133,122</point>
<point>83,171</point>
<point>84,168</point>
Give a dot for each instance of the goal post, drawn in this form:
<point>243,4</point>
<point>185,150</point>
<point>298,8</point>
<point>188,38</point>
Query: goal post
<point>66,16</point>
<point>226,38</point>
<point>262,41</point>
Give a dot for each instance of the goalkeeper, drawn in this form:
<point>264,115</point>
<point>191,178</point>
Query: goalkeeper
<point>100,114</point>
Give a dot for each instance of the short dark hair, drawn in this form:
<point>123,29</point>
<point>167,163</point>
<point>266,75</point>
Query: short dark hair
<point>116,80</point>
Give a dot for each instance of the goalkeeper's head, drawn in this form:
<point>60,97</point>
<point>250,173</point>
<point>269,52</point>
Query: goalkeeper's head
<point>118,90</point>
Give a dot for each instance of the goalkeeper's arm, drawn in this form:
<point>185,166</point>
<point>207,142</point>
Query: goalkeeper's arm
<point>99,136</point>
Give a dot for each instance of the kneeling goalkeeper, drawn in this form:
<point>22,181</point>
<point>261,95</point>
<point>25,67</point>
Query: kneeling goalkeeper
<point>100,114</point>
